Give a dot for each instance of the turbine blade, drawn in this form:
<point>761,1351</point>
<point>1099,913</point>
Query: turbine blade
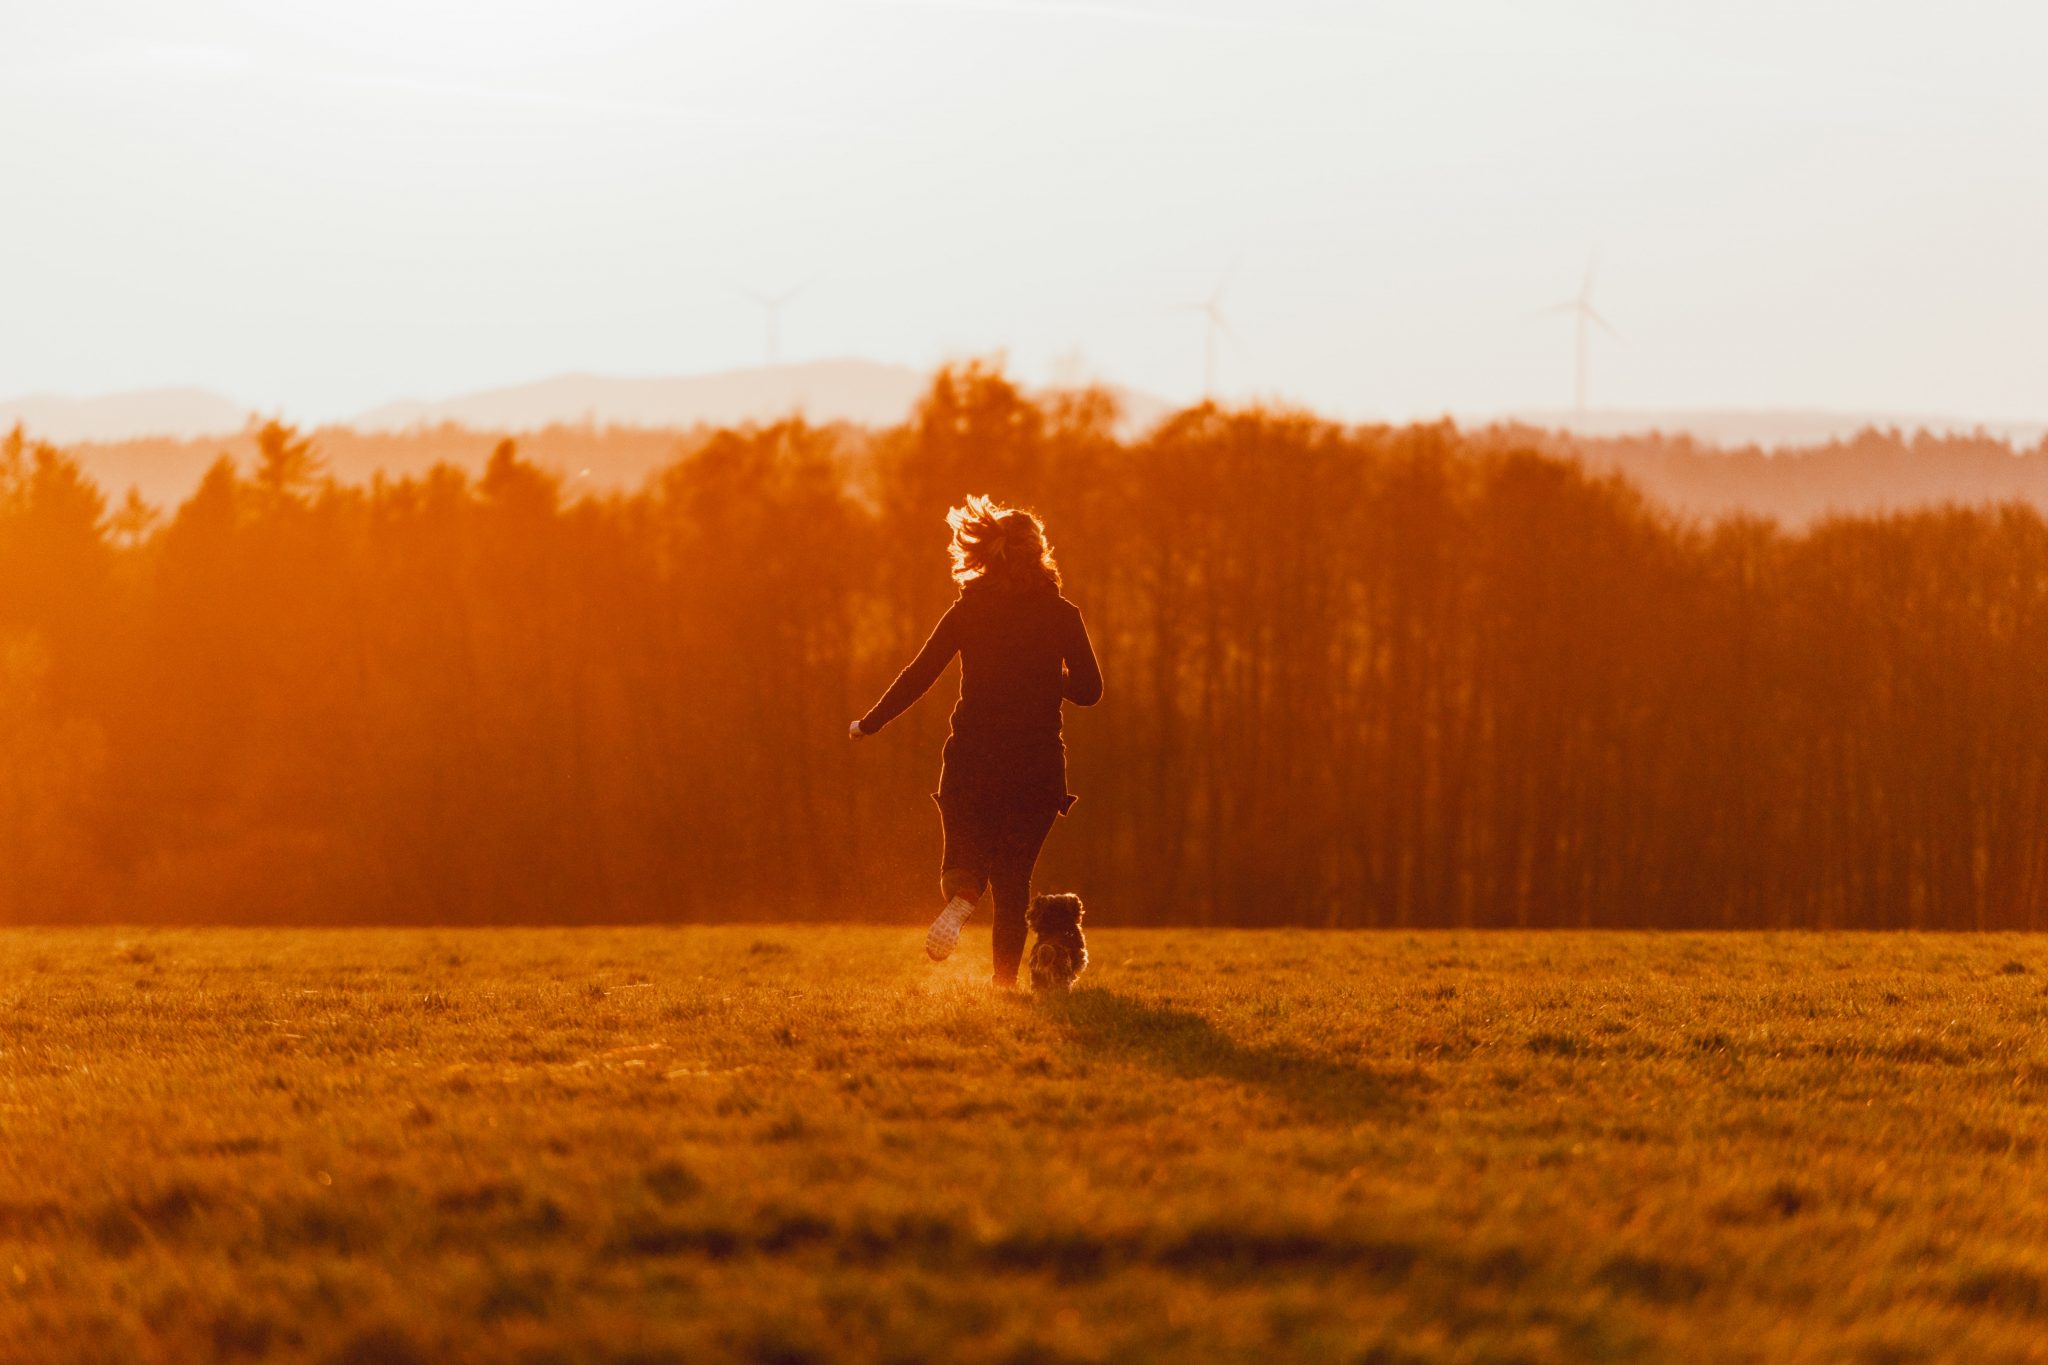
<point>771,300</point>
<point>1604,325</point>
<point>1224,280</point>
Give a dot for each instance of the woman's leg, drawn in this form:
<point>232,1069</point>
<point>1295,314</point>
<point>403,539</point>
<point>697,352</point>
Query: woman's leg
<point>1015,854</point>
<point>966,851</point>
<point>963,872</point>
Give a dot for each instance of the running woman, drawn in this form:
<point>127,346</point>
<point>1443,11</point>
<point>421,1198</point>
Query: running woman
<point>1023,651</point>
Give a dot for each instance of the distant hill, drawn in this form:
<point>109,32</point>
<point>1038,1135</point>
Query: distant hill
<point>139,413</point>
<point>865,392</point>
<point>1767,428</point>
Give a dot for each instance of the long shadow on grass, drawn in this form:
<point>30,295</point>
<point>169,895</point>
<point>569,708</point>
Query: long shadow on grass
<point>1184,1044</point>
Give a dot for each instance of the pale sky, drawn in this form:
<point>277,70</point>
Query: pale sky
<point>319,205</point>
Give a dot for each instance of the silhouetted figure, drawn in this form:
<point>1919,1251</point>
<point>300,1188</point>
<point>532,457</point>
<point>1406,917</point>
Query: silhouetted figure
<point>1023,650</point>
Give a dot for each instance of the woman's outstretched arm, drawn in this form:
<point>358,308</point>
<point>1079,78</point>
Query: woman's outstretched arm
<point>1084,676</point>
<point>917,676</point>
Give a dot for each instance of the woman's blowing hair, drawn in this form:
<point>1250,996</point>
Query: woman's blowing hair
<point>1004,547</point>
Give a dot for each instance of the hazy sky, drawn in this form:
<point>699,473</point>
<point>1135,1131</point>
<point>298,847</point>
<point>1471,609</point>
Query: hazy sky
<point>322,204</point>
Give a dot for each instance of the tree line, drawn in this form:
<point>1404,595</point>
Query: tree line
<point>1798,483</point>
<point>1357,676</point>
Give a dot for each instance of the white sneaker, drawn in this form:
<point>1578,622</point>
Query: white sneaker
<point>944,935</point>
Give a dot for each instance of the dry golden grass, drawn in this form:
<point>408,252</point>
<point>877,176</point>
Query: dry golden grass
<point>804,1144</point>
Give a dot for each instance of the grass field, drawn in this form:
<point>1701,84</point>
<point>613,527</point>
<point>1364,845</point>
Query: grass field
<point>805,1144</point>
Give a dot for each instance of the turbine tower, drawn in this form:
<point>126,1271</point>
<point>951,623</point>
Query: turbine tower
<point>1215,327</point>
<point>1583,317</point>
<point>771,308</point>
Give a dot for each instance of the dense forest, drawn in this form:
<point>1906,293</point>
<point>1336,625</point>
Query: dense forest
<point>1356,676</point>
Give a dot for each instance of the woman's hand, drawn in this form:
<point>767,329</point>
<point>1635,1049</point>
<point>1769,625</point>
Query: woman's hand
<point>854,731</point>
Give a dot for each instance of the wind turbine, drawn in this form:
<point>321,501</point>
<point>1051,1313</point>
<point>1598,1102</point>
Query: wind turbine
<point>771,307</point>
<point>1215,326</point>
<point>1583,315</point>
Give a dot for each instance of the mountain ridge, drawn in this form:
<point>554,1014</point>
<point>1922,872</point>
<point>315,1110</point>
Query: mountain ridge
<point>864,393</point>
<point>125,415</point>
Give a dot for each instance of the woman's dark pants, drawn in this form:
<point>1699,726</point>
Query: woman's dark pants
<point>992,845</point>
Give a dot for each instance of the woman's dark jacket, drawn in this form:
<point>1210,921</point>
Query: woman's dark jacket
<point>1022,652</point>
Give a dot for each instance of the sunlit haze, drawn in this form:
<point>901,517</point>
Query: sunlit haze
<point>608,754</point>
<point>318,207</point>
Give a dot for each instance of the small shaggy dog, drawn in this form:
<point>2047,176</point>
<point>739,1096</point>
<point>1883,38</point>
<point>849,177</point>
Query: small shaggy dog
<point>1061,953</point>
